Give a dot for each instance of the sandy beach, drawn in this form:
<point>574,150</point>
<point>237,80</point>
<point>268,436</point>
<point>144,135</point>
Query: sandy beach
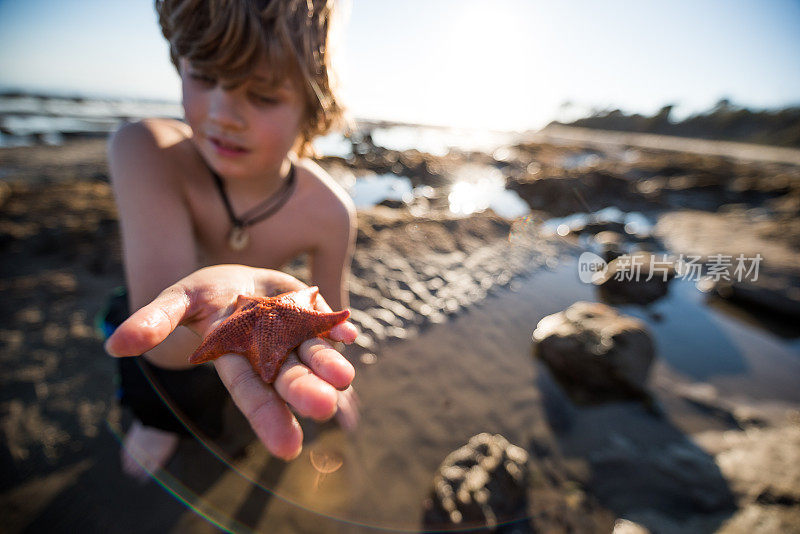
<point>446,301</point>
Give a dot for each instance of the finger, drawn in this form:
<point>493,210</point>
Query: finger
<point>307,393</point>
<point>267,413</point>
<point>326,362</point>
<point>150,325</point>
<point>347,413</point>
<point>345,332</point>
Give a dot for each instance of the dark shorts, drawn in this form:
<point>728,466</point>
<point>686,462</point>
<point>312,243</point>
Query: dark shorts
<point>183,401</point>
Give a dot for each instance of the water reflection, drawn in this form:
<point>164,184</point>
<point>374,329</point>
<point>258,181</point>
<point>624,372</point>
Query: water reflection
<point>375,188</point>
<point>333,144</point>
<point>438,141</point>
<point>478,188</point>
<point>688,338</point>
<point>466,198</point>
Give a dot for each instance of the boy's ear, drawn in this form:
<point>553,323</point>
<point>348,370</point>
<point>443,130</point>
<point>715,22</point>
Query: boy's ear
<point>297,147</point>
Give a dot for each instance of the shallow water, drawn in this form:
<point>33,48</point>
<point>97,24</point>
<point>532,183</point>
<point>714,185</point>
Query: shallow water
<point>474,189</point>
<point>703,343</point>
<point>424,397</point>
<point>438,141</point>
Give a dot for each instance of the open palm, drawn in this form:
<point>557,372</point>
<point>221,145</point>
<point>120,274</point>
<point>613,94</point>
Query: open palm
<point>311,381</point>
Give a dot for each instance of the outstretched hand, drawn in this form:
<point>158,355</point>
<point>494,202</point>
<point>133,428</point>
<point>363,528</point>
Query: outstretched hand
<point>312,385</point>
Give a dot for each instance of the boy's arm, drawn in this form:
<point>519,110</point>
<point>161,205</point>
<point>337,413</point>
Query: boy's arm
<point>330,260</point>
<point>330,270</point>
<point>156,228</point>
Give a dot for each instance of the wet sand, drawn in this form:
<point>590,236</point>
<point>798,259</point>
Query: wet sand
<point>446,306</point>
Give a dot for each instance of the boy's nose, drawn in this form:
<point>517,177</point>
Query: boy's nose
<point>224,109</point>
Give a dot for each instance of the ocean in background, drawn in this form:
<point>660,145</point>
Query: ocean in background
<point>34,119</point>
<point>31,119</point>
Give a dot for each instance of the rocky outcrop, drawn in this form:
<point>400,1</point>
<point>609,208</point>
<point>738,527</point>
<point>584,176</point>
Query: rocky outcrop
<point>562,193</point>
<point>595,353</point>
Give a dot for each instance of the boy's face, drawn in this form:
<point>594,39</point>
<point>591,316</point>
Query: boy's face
<point>243,132</point>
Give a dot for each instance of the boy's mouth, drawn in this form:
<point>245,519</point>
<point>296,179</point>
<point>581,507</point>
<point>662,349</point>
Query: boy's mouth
<point>226,146</point>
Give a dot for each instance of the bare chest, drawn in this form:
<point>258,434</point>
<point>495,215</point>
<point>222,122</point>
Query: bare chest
<point>270,243</point>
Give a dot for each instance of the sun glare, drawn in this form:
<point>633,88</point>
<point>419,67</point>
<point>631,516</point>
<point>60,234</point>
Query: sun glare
<point>483,44</point>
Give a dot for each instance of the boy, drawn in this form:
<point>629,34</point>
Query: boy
<point>229,186</point>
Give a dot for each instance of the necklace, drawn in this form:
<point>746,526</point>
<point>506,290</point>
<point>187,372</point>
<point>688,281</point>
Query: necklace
<point>238,238</point>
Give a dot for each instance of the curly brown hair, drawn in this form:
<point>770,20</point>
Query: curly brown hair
<point>227,39</point>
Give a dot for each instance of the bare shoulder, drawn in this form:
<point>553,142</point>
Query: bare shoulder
<point>149,134</point>
<point>330,201</point>
<point>149,145</point>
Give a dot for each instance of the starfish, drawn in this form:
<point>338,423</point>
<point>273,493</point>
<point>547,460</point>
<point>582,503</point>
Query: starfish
<point>266,329</point>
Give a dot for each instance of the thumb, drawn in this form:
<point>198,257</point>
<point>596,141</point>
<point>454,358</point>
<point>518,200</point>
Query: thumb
<point>150,325</point>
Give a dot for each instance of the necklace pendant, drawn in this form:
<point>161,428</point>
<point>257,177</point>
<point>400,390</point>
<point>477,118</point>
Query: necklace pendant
<point>238,238</point>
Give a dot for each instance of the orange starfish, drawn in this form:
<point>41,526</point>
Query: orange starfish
<point>265,329</point>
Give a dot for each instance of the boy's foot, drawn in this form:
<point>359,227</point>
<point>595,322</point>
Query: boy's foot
<point>146,449</point>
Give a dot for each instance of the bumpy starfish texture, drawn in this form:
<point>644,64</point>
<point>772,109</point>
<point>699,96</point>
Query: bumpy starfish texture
<point>266,329</point>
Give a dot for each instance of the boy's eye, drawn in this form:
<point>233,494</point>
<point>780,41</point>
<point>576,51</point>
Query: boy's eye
<point>265,100</point>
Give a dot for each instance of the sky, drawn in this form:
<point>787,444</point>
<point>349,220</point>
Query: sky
<point>501,64</point>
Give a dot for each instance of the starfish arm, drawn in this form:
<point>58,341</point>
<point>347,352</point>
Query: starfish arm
<point>325,321</point>
<point>268,351</point>
<point>210,349</point>
<point>270,362</point>
<point>232,335</point>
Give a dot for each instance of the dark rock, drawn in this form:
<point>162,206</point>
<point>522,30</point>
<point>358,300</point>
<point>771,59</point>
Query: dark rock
<point>638,278</point>
<point>594,227</point>
<point>563,194</point>
<point>492,485</point>
<point>481,484</point>
<point>394,204</point>
<point>595,353</point>
<point>776,293</point>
